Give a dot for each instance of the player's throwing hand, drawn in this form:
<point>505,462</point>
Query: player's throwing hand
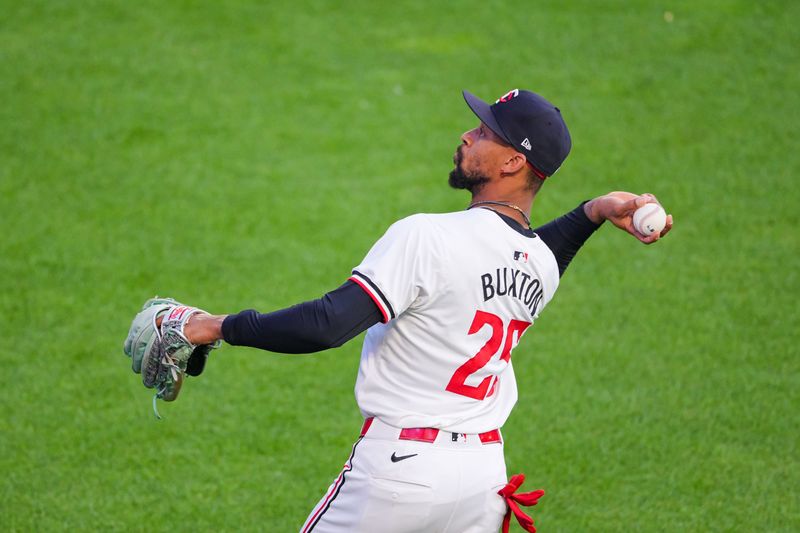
<point>618,208</point>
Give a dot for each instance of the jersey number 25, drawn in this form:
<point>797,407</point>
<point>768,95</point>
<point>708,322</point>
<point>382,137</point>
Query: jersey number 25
<point>511,334</point>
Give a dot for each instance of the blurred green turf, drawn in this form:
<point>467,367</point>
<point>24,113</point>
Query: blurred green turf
<point>247,154</point>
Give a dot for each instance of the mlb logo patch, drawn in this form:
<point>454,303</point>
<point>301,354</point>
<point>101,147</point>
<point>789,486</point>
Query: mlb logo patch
<point>522,257</point>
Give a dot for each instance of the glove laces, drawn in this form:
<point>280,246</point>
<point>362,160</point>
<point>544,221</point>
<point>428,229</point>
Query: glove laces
<point>155,407</point>
<point>173,367</point>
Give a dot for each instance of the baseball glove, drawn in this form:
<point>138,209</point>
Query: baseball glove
<point>161,353</point>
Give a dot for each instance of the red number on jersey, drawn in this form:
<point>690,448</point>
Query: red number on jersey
<point>514,332</point>
<point>512,335</point>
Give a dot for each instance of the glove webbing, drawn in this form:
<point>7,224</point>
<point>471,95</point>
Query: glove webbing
<point>172,338</point>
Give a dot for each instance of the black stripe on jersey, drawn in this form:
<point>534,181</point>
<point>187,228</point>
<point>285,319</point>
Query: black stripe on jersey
<point>338,489</point>
<point>378,292</point>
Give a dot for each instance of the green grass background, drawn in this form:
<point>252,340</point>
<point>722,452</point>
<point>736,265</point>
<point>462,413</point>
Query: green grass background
<point>247,154</point>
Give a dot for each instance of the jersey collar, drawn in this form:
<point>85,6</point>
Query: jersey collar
<point>516,226</point>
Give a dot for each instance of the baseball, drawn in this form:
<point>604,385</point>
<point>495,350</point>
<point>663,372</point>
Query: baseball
<point>649,219</point>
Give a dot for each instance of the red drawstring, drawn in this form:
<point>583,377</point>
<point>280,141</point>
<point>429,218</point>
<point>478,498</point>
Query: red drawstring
<point>513,501</point>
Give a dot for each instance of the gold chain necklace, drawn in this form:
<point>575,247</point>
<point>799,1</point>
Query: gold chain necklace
<point>506,204</point>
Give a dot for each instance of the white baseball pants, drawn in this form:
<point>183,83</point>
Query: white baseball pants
<point>389,485</point>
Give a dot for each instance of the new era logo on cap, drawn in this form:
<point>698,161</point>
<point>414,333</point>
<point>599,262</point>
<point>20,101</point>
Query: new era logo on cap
<point>530,124</point>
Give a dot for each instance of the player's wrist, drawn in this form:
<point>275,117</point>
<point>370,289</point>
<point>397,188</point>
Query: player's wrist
<point>601,208</point>
<point>203,328</point>
<point>594,210</point>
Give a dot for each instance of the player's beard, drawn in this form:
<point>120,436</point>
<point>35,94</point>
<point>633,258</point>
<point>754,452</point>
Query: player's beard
<point>471,180</point>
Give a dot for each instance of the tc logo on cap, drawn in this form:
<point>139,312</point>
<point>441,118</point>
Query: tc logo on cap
<point>508,96</point>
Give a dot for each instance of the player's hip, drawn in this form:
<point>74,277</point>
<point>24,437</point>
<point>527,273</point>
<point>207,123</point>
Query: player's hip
<point>401,485</point>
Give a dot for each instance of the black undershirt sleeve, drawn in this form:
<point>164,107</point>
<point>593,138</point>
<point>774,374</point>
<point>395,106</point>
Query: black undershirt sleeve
<point>308,327</point>
<point>566,234</point>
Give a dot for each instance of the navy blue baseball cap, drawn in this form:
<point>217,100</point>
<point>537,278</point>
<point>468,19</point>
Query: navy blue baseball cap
<point>530,124</point>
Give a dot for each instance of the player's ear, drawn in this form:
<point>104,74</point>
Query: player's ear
<point>514,163</point>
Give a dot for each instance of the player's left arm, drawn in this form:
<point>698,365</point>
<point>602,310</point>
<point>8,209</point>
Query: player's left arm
<point>312,326</point>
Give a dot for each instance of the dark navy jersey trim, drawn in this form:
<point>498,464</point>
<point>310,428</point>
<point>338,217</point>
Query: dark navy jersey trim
<point>377,291</point>
<point>513,224</point>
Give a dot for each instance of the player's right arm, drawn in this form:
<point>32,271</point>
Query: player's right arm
<point>566,234</point>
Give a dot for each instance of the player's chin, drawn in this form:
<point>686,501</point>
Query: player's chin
<point>459,179</point>
<point>455,179</point>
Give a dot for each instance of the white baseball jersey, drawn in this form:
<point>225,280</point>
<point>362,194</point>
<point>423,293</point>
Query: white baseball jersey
<point>457,292</point>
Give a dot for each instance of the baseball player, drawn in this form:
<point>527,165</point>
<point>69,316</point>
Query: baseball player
<point>444,299</point>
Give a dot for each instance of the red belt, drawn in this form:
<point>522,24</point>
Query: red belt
<point>430,434</point>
